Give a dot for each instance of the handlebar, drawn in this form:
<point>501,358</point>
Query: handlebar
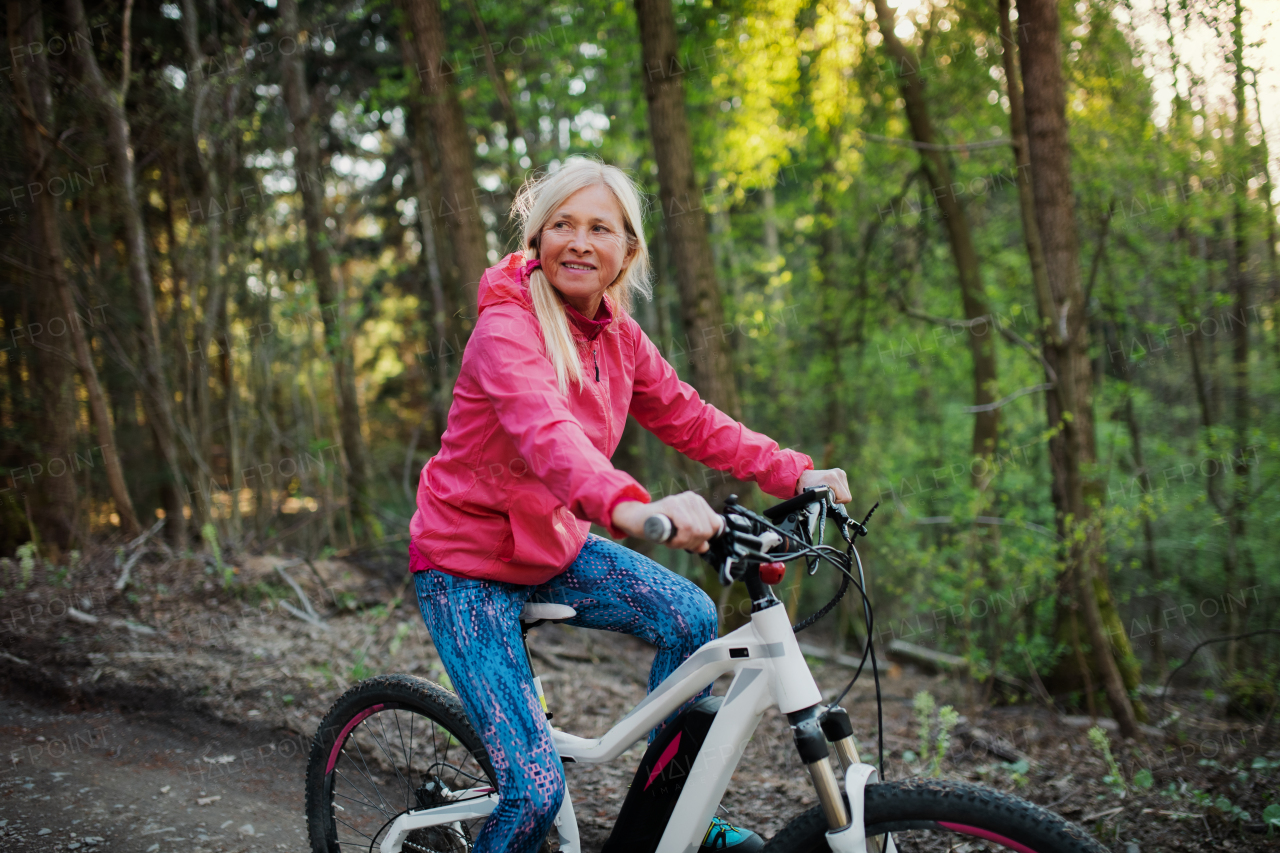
<point>791,528</point>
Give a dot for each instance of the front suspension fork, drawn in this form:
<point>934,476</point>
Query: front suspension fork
<point>811,742</point>
<point>812,732</point>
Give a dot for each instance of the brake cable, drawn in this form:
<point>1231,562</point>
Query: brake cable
<point>818,553</point>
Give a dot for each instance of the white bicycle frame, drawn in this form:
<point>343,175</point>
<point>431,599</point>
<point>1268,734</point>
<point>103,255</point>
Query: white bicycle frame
<point>768,670</point>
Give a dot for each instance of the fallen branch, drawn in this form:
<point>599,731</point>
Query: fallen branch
<point>137,544</point>
<point>547,658</point>
<point>145,535</point>
<point>311,620</point>
<point>1100,815</point>
<point>306,605</point>
<point>123,580</point>
<point>835,657</point>
<point>80,616</point>
<point>943,662</point>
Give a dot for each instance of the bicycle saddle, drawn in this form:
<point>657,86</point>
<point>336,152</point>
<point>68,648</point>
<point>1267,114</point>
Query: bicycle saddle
<point>537,611</point>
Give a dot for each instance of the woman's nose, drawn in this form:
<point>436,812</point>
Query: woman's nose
<point>580,242</point>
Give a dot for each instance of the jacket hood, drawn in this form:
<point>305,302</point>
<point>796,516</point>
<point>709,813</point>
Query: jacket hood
<point>504,282</point>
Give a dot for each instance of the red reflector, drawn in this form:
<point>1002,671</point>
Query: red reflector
<point>772,573</point>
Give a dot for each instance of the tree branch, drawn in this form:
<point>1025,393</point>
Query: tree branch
<point>937,146</point>
<point>1009,335</point>
<point>1043,386</point>
<point>127,48</point>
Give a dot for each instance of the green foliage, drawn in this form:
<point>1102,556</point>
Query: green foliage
<point>360,668</point>
<point>1253,692</point>
<point>1115,777</point>
<point>210,535</point>
<point>1271,817</point>
<point>934,743</point>
<point>1018,772</point>
<point>924,706</point>
<point>947,719</point>
<point>402,632</point>
<point>27,557</point>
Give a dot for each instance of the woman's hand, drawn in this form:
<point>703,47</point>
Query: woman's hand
<point>833,477</point>
<point>694,519</point>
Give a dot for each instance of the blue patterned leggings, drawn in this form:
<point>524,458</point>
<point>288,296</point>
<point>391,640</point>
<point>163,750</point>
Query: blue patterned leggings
<point>475,625</point>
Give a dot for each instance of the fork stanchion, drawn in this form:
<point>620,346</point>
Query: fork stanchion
<point>824,782</point>
<point>812,746</point>
<point>839,730</point>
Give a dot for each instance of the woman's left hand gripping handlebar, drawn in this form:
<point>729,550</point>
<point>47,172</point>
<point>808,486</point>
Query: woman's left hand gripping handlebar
<point>834,478</point>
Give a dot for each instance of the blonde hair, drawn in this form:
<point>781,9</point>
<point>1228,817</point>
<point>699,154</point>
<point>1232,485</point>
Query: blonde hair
<point>537,200</point>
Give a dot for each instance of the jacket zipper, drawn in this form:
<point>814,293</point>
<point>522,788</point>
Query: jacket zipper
<point>596,363</point>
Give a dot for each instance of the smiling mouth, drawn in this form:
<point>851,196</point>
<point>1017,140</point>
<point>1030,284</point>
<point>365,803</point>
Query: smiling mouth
<point>574,266</point>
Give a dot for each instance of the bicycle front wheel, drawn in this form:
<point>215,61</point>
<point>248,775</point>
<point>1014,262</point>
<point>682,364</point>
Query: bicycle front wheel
<point>392,744</point>
<point>931,815</point>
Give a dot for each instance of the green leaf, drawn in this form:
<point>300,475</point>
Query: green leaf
<point>1222,804</point>
<point>1143,778</point>
<point>1271,815</point>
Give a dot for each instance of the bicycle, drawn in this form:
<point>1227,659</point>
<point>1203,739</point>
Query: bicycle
<point>369,788</point>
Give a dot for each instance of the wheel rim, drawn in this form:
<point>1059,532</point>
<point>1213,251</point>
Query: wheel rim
<point>930,836</point>
<point>387,760</point>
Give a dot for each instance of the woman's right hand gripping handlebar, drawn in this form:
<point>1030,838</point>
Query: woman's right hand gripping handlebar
<point>692,517</point>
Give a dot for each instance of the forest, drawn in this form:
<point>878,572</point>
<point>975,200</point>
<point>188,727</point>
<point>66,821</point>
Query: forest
<point>1011,265</point>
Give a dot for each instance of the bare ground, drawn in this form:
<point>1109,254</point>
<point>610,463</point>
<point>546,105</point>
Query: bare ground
<point>177,715</point>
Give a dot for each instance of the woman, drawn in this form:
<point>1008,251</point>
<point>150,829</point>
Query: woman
<point>548,377</point>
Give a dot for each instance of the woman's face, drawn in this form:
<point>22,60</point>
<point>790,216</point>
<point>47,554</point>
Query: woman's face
<point>583,247</point>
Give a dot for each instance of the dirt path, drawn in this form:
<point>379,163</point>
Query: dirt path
<point>138,783</point>
<point>179,718</point>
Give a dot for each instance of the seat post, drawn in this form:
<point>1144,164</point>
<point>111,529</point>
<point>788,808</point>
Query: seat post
<point>533,615</point>
<point>525,628</point>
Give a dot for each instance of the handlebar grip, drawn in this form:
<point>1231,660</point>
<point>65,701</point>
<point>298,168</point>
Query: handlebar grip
<point>658,528</point>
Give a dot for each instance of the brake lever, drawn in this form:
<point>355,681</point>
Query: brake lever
<point>838,513</point>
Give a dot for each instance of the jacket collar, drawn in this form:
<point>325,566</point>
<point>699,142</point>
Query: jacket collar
<point>508,281</point>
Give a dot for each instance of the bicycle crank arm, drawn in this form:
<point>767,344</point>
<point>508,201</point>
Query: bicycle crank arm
<point>406,823</point>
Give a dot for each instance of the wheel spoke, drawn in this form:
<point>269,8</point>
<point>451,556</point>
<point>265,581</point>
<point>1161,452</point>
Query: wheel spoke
<point>357,789</point>
<point>359,792</point>
<point>367,773</point>
<point>408,762</point>
<point>390,760</point>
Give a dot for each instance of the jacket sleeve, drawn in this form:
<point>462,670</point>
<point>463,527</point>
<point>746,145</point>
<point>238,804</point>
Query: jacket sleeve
<point>672,410</point>
<point>518,379</point>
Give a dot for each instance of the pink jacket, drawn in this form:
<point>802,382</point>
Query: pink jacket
<point>523,470</point>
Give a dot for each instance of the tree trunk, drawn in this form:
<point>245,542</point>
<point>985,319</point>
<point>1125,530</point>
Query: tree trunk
<point>457,176</point>
<point>986,424</point>
<point>1240,350</point>
<point>685,217</point>
<point>1065,341</point>
<point>156,390</point>
<point>33,96</point>
<point>311,187</point>
<point>437,360</point>
<point>1142,479</point>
